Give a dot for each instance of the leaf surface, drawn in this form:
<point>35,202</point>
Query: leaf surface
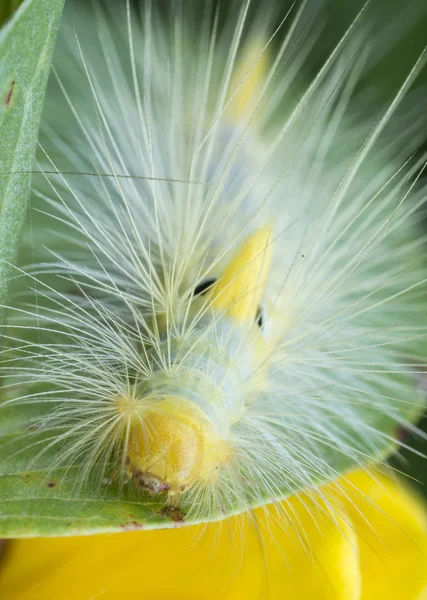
<point>26,46</point>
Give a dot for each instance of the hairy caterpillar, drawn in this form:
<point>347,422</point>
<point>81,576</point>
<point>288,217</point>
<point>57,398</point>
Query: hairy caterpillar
<point>232,305</point>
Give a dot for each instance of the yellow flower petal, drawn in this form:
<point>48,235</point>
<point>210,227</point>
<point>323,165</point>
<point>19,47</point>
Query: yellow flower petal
<point>313,554</point>
<point>423,595</point>
<point>391,524</point>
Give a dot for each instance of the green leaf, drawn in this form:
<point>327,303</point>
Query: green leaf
<point>26,45</point>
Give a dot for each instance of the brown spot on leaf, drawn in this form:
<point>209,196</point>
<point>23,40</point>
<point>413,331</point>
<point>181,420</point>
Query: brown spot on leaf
<point>173,513</point>
<point>402,434</point>
<point>9,94</point>
<point>51,484</point>
<point>131,526</point>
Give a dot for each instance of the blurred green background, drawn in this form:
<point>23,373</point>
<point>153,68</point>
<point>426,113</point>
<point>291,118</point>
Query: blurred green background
<point>7,7</point>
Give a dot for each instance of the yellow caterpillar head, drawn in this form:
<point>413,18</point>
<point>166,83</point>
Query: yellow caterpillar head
<point>174,446</point>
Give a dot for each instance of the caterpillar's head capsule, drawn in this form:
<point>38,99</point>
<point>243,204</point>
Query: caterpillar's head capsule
<point>178,430</point>
<point>174,446</point>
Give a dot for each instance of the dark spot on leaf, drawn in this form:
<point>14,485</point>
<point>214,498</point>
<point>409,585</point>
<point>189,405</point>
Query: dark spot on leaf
<point>75,291</point>
<point>51,484</point>
<point>173,513</point>
<point>131,526</point>
<point>9,94</point>
<point>402,433</point>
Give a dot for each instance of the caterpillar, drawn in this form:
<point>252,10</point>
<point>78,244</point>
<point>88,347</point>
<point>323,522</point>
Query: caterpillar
<point>223,299</point>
